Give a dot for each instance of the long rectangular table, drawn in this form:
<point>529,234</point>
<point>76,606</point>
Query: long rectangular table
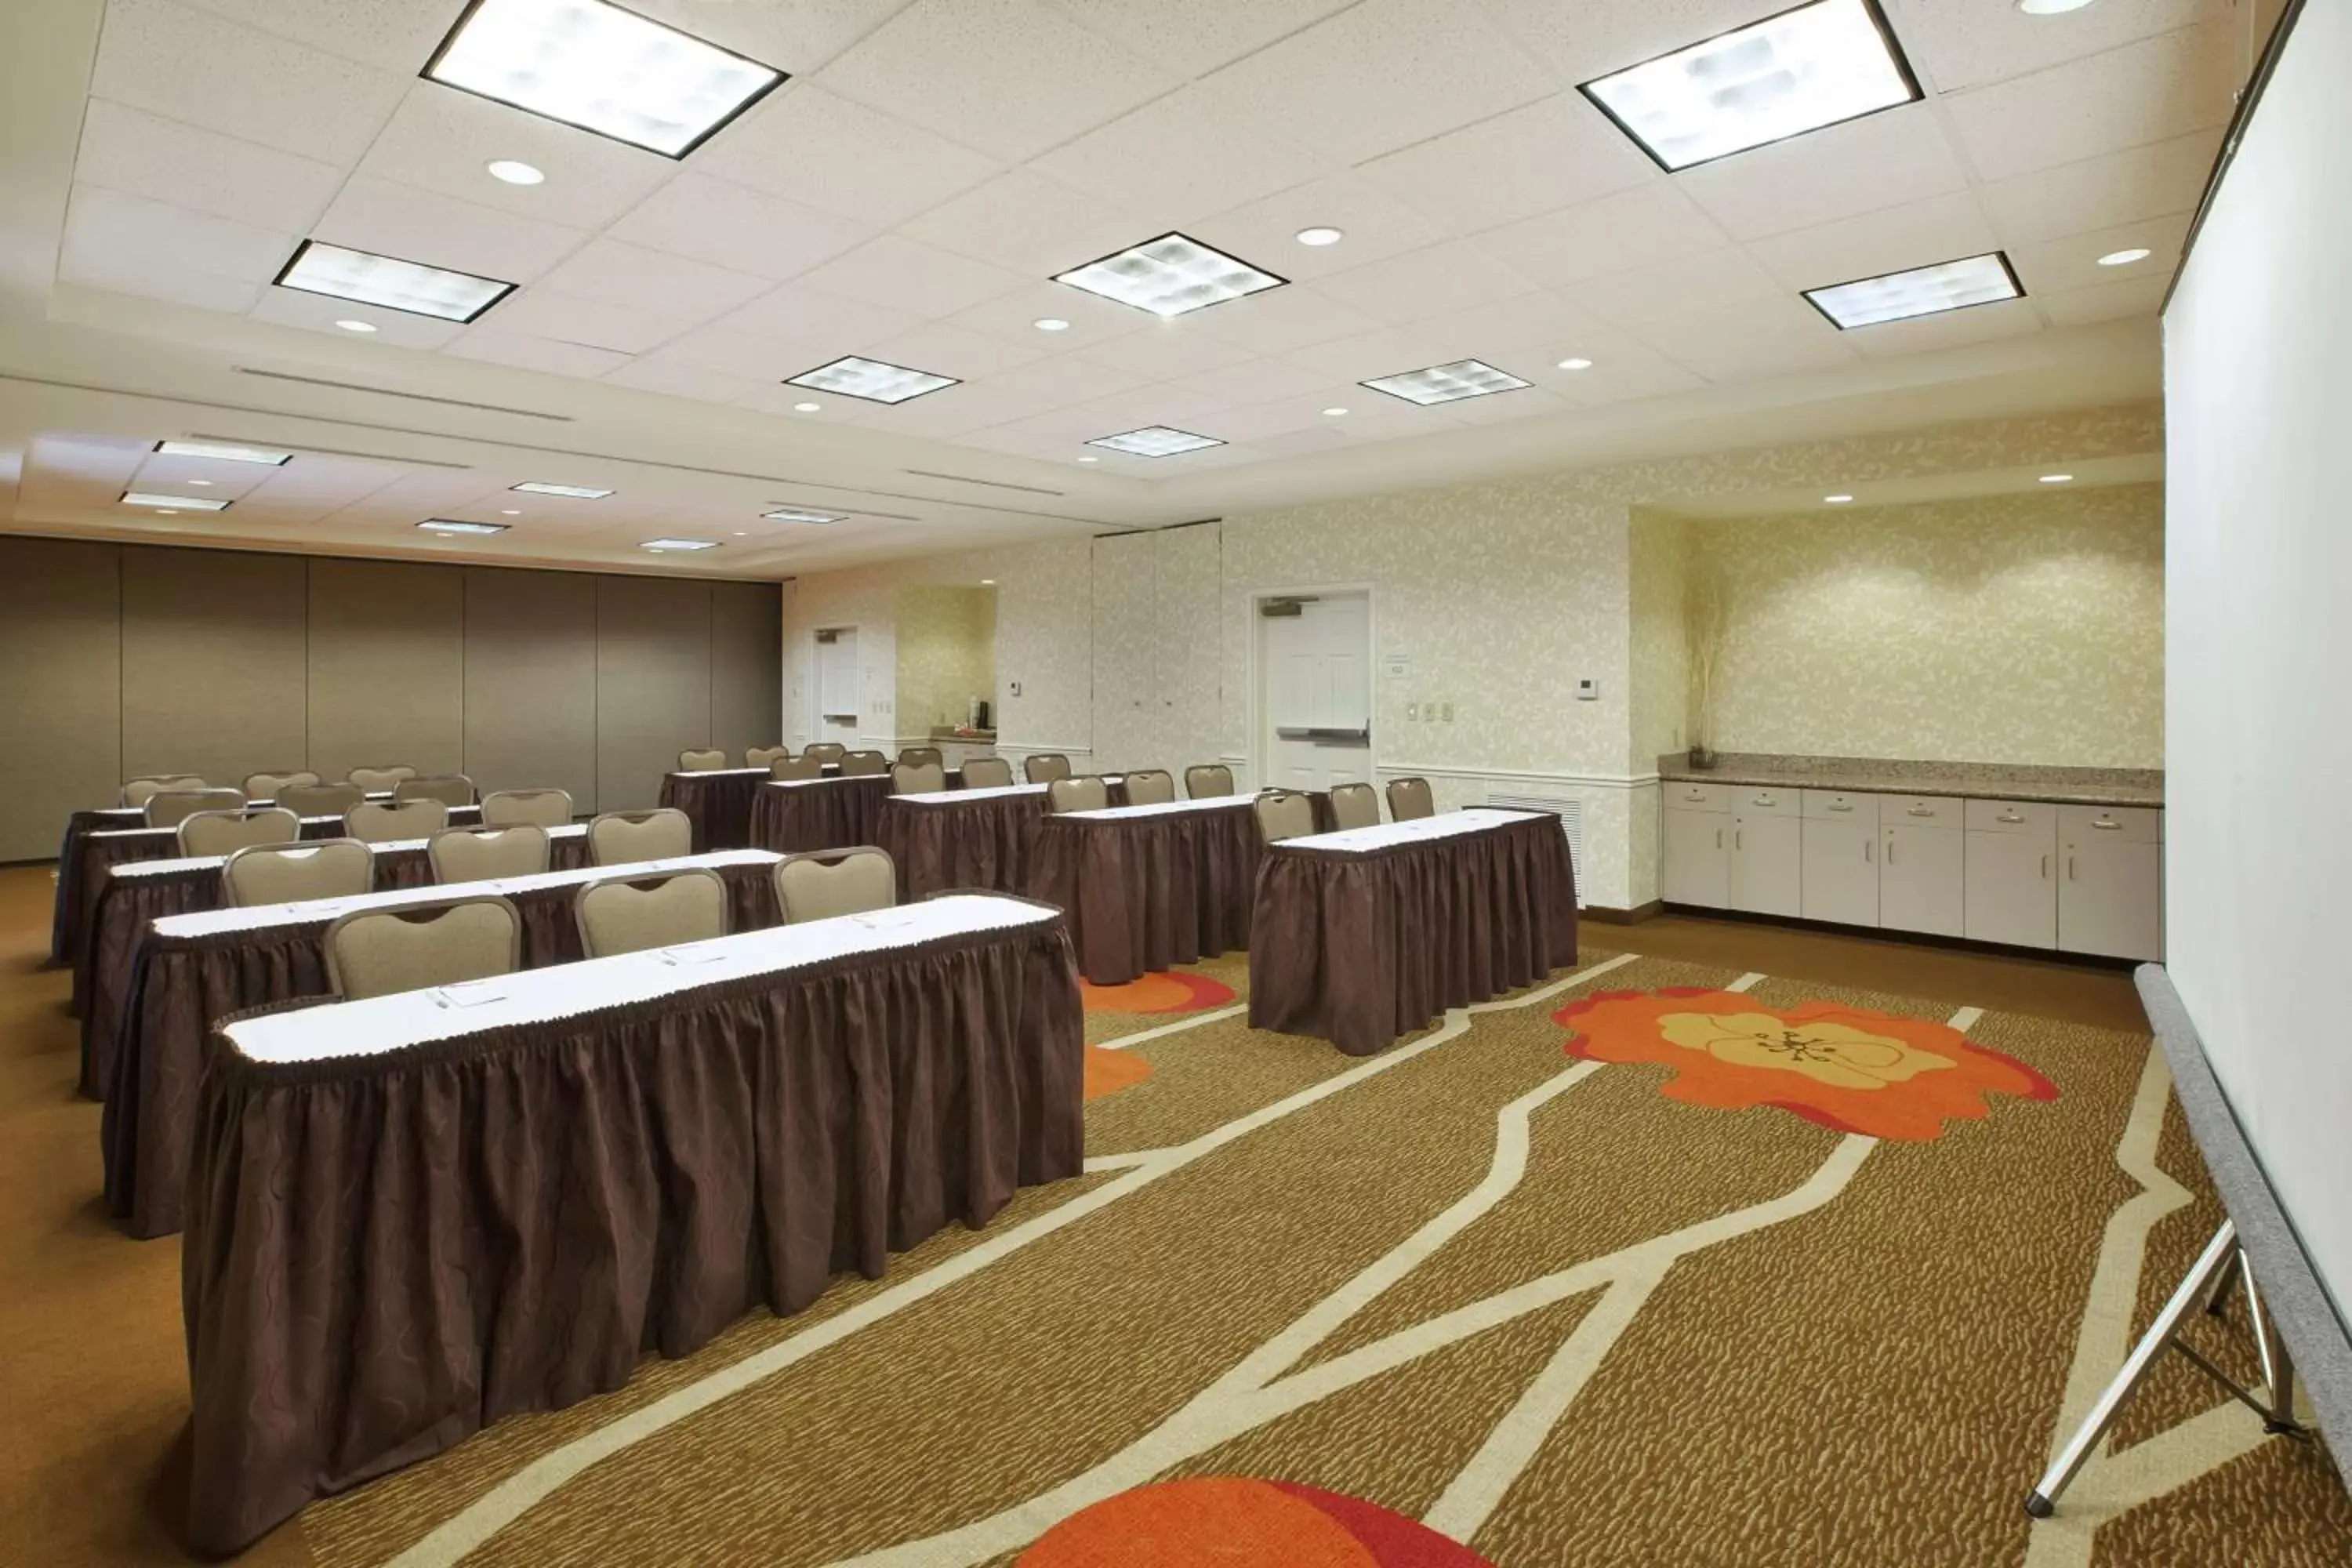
<point>957,839</point>
<point>718,802</point>
<point>192,969</point>
<point>1361,936</point>
<point>793,815</point>
<point>1148,887</point>
<point>414,1215</point>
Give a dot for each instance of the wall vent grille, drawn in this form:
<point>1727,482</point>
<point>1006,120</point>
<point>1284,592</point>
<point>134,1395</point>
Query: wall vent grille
<point>1571,821</point>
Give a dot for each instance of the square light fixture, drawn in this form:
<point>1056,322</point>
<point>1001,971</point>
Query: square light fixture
<point>1819,64</point>
<point>1448,383</point>
<point>570,492</point>
<point>1170,277</point>
<point>173,503</point>
<point>1922,291</point>
<point>387,280</point>
<point>601,69</point>
<point>1156,441</point>
<point>871,380</point>
<point>667,544</point>
<point>225,454</point>
<point>451,525</point>
<point>800,514</point>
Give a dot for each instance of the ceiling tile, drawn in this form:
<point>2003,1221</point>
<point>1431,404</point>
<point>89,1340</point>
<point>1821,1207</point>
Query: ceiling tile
<point>398,35</point>
<point>440,231</point>
<point>1956,44</point>
<point>1014,316</point>
<point>1942,229</point>
<point>2055,266</point>
<point>828,324</point>
<point>943,350</point>
<point>395,329</point>
<point>440,140</point>
<point>105,227</point>
<point>680,381</point>
<point>1838,172</point>
<point>954,410</point>
<point>2148,91</point>
<point>1663,289</point>
<point>1551,154</point>
<point>1060,381</point>
<point>1621,372</point>
<point>1539,317</point>
<point>543,311</point>
<point>1193,37</point>
<point>729,225</point>
<point>796,38</point>
<point>2107,302</point>
<point>756,359</point>
<point>1008,76</point>
<point>499,346</point>
<point>630,276</point>
<point>184,65</point>
<point>1281,320</point>
<point>1584,41</point>
<point>1437,281</point>
<point>1387,352</point>
<point>2098,193</point>
<point>151,278</point>
<point>817,147</point>
<point>1953,329</point>
<point>1164,351</point>
<point>1183,408</point>
<point>1502,408</point>
<point>1746,342</point>
<point>1257,381</point>
<point>1204,149</point>
<point>128,151</point>
<point>1033,225</point>
<point>1649,223</point>
<point>1374,226</point>
<point>907,275</point>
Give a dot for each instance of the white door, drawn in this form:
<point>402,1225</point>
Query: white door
<point>1767,865</point>
<point>1921,878</point>
<point>2013,889</point>
<point>1840,872</point>
<point>1314,672</point>
<point>1697,851</point>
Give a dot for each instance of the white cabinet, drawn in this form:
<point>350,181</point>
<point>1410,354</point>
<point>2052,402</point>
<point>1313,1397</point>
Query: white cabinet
<point>1841,859</point>
<point>1920,876</point>
<point>2110,899</point>
<point>1697,867</point>
<point>1767,853</point>
<point>2012,873</point>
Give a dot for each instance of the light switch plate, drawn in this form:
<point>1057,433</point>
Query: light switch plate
<point>1412,713</point>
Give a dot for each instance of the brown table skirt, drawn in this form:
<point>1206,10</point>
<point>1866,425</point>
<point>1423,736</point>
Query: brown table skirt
<point>1149,893</point>
<point>827,814</point>
<point>970,845</point>
<point>719,805</point>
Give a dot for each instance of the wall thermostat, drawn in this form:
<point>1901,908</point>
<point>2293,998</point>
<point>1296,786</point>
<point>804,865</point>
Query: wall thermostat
<point>1588,689</point>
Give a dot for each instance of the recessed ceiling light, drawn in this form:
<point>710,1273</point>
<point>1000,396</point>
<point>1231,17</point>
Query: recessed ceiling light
<point>1155,441</point>
<point>2049,7</point>
<point>570,492</point>
<point>602,68</point>
<point>223,453</point>
<point>451,525</point>
<point>357,326</point>
<point>801,514</point>
<point>1169,276</point>
<point>167,512</point>
<point>514,171</point>
<point>742,533</point>
<point>396,285</point>
<point>667,544</point>
<point>182,503</point>
<point>203,483</point>
<point>1334,414</point>
<point>1921,291</point>
<point>2124,258</point>
<point>2057,478</point>
<point>988,582</point>
<point>871,380</point>
<point>806,407</point>
<point>1320,235</point>
<point>1576,364</point>
<point>1051,324</point>
<point>1837,500</point>
<point>1814,66</point>
<point>509,511</point>
<point>1448,383</point>
<point>1089,459</point>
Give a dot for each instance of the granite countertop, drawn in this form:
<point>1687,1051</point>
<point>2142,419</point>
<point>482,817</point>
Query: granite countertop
<point>1882,775</point>
<point>966,737</point>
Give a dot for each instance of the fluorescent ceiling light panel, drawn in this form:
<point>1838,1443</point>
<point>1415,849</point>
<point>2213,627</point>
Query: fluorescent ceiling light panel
<point>798,514</point>
<point>1819,64</point>
<point>225,454</point>
<point>680,545</point>
<point>1156,441</point>
<point>1448,383</point>
<point>871,380</point>
<point>388,281</point>
<point>1922,291</point>
<point>570,492</point>
<point>451,525</point>
<point>173,503</point>
<point>1170,277</point>
<point>602,68</point>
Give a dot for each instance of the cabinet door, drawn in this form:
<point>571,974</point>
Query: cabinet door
<point>1921,878</point>
<point>1840,872</point>
<point>1697,852</point>
<point>1766,864</point>
<point>2111,899</point>
<point>2012,888</point>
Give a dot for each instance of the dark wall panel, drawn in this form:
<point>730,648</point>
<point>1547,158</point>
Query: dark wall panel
<point>60,687</point>
<point>652,684</point>
<point>213,669</point>
<point>387,665</point>
<point>530,681</point>
<point>746,666</point>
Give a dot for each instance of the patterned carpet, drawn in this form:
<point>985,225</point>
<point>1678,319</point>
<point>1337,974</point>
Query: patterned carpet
<point>1656,1264</point>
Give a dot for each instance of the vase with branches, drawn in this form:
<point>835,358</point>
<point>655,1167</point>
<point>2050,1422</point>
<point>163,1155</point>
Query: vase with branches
<point>1707,618</point>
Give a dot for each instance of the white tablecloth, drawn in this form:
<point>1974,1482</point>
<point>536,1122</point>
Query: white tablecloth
<point>951,796</point>
<point>1163,808</point>
<point>1388,834</point>
<point>198,862</point>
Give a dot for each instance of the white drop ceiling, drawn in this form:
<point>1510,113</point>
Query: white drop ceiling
<point>906,195</point>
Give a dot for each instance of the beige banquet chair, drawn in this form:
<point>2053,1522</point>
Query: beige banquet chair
<point>536,807</point>
<point>452,790</point>
<point>825,751</point>
<point>623,837</point>
<point>1355,806</point>
<point>1282,814</point>
<point>796,768</point>
<point>917,778</point>
<point>623,916</point>
<point>1206,781</point>
<point>1087,794</point>
<point>291,873</point>
<point>765,756</point>
<point>374,822</point>
<point>701,762</point>
<point>824,883</point>
<point>375,953</point>
<point>139,792</point>
<point>169,808</point>
<point>1046,767</point>
<point>1151,786</point>
<point>266,785</point>
<point>320,799</point>
<point>922,756</point>
<point>225,832</point>
<point>987,773</point>
<point>377,781</point>
<point>1410,798</point>
<point>864,765</point>
<point>480,853</point>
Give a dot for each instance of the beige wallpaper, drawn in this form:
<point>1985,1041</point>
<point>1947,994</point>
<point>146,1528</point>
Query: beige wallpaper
<point>1659,679</point>
<point>946,653</point>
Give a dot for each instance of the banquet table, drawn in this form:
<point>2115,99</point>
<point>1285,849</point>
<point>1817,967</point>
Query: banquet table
<point>718,801</point>
<point>414,1215</point>
<point>951,838</point>
<point>791,816</point>
<point>1148,887</point>
<point>193,969</point>
<point>1361,936</point>
<point>132,894</point>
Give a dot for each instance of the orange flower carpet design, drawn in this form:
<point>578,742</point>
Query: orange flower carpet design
<point>1846,1068</point>
<point>1232,1521</point>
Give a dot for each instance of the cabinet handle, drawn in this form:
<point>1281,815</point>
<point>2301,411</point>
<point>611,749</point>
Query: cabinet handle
<point>1763,800</point>
<point>2046,867</point>
<point>2009,816</point>
<point>2070,868</point>
<point>1922,811</point>
<point>1738,839</point>
<point>2106,824</point>
<point>1694,795</point>
<point>1718,838</point>
<point>1865,851</point>
<point>1890,849</point>
<point>1838,805</point>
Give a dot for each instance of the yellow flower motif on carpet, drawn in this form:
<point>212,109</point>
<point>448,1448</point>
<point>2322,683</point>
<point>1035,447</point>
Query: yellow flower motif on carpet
<point>1848,1067</point>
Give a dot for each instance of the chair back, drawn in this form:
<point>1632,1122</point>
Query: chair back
<point>801,767</point>
<point>1282,814</point>
<point>922,756</point>
<point>139,792</point>
<point>375,781</point>
<point>170,807</point>
<point>1203,781</point>
<point>375,953</point>
<point>864,765</point>
<point>539,807</point>
<point>291,873</point>
<point>452,790</point>
<point>917,778</point>
<point>824,883</point>
<point>373,822</point>
<point>701,762</point>
<point>225,832</point>
<point>1355,806</point>
<point>765,756</point>
<point>620,838</point>
<point>825,751</point>
<point>622,916</point>
<point>320,799</point>
<point>264,786</point>
<point>480,853</point>
<point>1046,767</point>
<point>987,773</point>
<point>1151,786</point>
<point>1409,798</point>
<point>1087,794</point>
